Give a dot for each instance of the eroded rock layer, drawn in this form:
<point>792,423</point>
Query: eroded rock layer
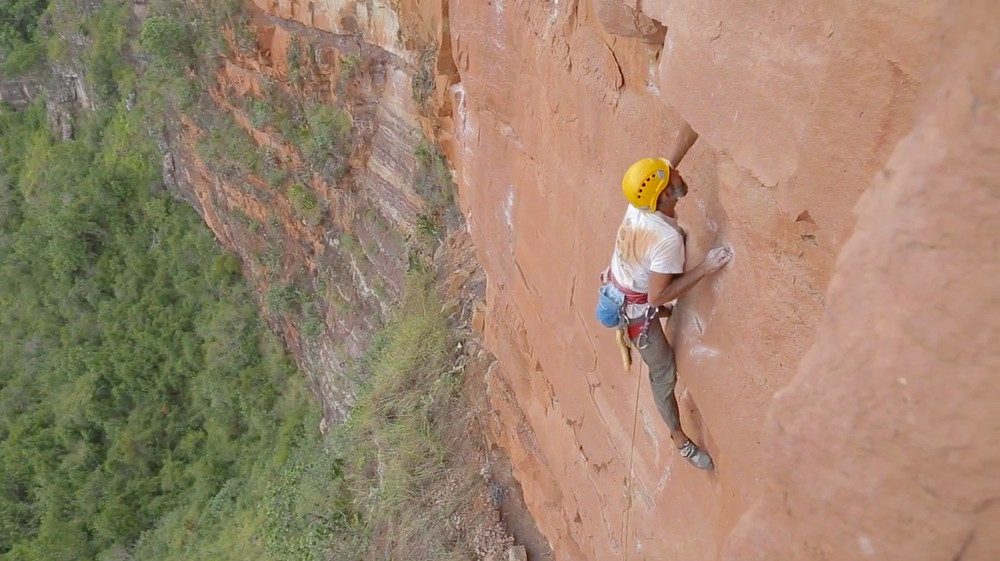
<point>328,241</point>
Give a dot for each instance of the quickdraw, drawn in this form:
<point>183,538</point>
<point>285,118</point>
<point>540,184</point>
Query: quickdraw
<point>642,341</point>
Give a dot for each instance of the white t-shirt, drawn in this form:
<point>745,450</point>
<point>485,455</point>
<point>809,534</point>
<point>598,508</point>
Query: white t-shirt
<point>647,241</point>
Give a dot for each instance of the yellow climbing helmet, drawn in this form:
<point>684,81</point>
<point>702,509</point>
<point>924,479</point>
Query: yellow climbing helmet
<point>644,181</point>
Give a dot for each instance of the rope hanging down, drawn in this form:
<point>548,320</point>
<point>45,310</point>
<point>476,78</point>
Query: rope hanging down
<point>631,456</point>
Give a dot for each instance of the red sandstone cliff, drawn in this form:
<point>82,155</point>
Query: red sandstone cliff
<point>840,369</point>
<point>849,403</point>
<point>885,442</point>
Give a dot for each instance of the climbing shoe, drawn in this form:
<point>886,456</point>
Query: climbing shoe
<point>698,457</point>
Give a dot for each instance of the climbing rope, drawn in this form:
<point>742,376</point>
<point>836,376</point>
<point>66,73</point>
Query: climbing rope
<point>631,456</point>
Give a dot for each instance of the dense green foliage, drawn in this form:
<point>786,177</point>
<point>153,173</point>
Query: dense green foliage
<point>320,132</point>
<point>18,21</point>
<point>19,46</point>
<point>228,149</point>
<point>167,41</point>
<point>108,70</point>
<point>137,381</point>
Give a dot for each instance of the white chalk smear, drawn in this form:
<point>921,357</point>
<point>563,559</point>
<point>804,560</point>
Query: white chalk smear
<point>866,545</point>
<point>703,351</point>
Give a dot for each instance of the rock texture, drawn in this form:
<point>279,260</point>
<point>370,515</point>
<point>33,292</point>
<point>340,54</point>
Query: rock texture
<point>798,107</point>
<point>849,401</point>
<point>885,442</point>
<point>18,93</point>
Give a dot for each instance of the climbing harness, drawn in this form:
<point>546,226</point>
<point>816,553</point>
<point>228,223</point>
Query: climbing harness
<point>612,313</point>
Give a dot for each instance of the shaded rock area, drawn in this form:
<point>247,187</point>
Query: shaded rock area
<point>18,93</point>
<point>64,91</point>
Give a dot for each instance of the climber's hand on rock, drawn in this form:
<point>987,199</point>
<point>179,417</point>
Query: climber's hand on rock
<point>716,258</point>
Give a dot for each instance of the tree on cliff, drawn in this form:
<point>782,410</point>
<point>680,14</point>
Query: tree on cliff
<point>18,25</point>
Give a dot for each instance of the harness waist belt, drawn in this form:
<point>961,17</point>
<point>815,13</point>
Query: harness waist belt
<point>631,296</point>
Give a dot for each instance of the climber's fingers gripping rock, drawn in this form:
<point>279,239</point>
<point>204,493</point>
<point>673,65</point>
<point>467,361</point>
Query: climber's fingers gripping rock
<point>717,257</point>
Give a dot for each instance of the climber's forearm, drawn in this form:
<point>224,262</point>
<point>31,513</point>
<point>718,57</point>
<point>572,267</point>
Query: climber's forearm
<point>677,286</point>
<point>684,138</point>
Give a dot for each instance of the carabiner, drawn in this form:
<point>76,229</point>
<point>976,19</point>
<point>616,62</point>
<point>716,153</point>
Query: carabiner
<point>642,341</point>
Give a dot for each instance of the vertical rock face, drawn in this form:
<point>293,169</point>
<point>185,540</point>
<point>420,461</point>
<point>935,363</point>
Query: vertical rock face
<point>798,108</point>
<point>884,445</point>
<point>846,400</point>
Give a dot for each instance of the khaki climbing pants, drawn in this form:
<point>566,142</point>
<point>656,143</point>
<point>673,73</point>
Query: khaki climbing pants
<point>659,357</point>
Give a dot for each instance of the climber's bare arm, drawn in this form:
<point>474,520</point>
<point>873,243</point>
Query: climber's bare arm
<point>665,287</point>
<point>682,141</point>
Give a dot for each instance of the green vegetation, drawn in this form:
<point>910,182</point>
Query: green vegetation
<point>272,257</point>
<point>434,184</point>
<point>305,203</point>
<point>349,244</point>
<point>20,46</point>
<point>422,84</point>
<point>293,58</point>
<point>280,298</point>
<point>167,41</point>
<point>248,222</point>
<point>312,322</point>
<point>433,181</point>
<point>349,66</point>
<point>137,378</point>
<point>320,132</point>
<point>246,35</point>
<point>397,448</point>
<point>260,111</point>
<point>108,71</point>
<point>145,409</point>
<point>146,412</point>
<point>273,168</point>
<point>323,138</point>
<point>18,22</point>
<point>228,149</point>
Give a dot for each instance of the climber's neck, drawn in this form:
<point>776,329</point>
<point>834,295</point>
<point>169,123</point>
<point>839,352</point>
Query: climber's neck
<point>668,206</point>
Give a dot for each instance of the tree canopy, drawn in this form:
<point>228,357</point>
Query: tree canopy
<point>137,376</point>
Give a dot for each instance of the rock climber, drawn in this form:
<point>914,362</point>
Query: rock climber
<point>647,276</point>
